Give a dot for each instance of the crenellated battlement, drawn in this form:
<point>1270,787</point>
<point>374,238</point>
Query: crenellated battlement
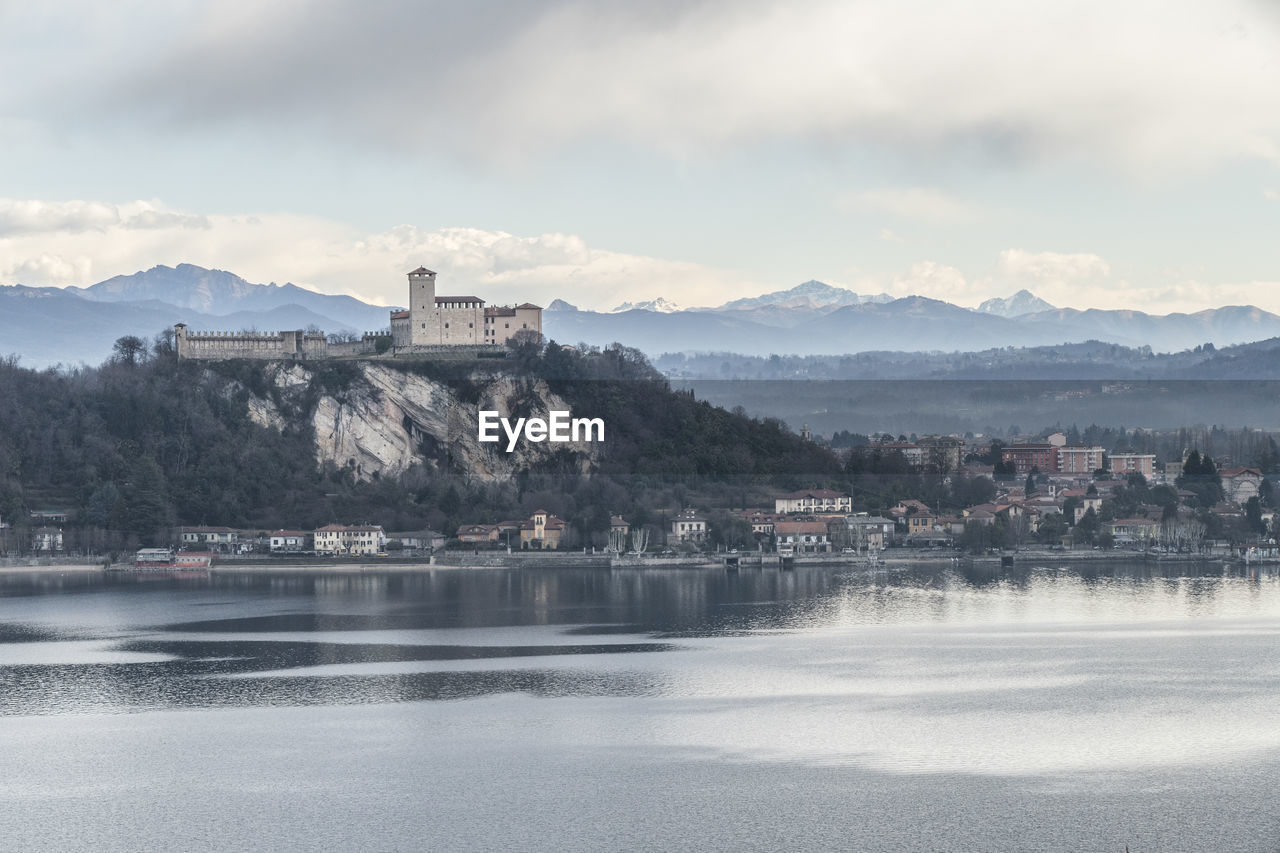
<point>430,324</point>
<point>297,344</point>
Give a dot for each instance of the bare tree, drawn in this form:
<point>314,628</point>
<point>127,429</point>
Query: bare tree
<point>129,350</point>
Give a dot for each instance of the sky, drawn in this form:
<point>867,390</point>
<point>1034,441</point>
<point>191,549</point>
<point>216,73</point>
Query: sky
<point>1100,154</point>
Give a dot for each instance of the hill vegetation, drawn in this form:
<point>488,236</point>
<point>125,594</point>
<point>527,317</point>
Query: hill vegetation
<point>146,442</point>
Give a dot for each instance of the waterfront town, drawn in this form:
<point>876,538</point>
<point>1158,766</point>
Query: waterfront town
<point>928,493</point>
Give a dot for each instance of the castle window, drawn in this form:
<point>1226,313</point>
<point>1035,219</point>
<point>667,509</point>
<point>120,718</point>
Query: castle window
<point>506,325</point>
<point>471,325</point>
<point>446,325</point>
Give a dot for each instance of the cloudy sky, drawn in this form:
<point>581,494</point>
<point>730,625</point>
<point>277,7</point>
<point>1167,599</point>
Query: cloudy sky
<point>1099,153</point>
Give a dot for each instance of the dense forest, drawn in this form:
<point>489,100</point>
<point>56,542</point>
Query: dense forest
<point>146,442</point>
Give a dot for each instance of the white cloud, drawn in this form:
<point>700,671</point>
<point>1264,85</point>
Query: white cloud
<point>51,269</point>
<point>61,243</point>
<point>30,216</point>
<point>1271,195</point>
<point>925,204</point>
<point>1146,84</point>
<point>931,279</point>
<point>1053,268</point>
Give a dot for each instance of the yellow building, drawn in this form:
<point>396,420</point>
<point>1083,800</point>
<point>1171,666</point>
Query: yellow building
<point>350,540</point>
<point>543,531</point>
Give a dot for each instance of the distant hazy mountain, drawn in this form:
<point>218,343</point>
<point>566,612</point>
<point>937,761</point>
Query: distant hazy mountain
<point>913,324</point>
<point>660,305</point>
<point>48,325</point>
<point>219,293</point>
<point>1022,302</point>
<point>811,294</point>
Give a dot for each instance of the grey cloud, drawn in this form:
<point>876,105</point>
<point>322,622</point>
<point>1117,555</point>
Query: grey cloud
<point>1141,83</point>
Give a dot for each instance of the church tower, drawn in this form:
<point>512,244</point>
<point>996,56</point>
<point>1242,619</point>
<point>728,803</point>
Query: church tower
<point>422,307</point>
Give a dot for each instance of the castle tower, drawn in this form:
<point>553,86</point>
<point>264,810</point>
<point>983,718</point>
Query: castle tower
<point>422,306</point>
<point>180,339</point>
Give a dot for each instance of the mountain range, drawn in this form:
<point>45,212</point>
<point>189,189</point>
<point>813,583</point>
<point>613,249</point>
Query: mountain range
<point>816,319</point>
<point>46,325</point>
<point>50,325</point>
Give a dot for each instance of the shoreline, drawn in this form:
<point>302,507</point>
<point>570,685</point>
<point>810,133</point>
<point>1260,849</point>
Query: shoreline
<point>748,561</point>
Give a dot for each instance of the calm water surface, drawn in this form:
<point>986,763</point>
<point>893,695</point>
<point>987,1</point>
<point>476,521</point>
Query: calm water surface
<point>907,710</point>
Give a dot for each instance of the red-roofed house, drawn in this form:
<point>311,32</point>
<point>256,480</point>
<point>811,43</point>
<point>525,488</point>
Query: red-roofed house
<point>542,532</point>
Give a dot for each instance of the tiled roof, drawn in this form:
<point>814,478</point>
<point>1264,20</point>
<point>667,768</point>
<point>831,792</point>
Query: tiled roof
<point>783,528</point>
<point>422,271</point>
<point>468,299</point>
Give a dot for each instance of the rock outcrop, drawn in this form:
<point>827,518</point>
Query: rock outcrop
<point>389,419</point>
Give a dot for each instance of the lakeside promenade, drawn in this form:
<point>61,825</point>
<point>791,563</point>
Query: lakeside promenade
<point>892,558</point>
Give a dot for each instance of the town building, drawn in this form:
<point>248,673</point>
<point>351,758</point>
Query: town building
<point>1078,460</point>
<point>762,523</point>
<point>46,540</point>
<point>1131,530</point>
<point>543,531</point>
<point>1240,484</point>
<point>916,517</point>
<point>688,526</point>
<point>814,500</point>
<point>941,453</point>
<point>222,540</point>
<point>1042,457</point>
<point>361,540</point>
<point>1124,464</point>
<point>287,541</point>
<point>869,532</point>
<point>477,534</point>
<point>49,517</point>
<point>802,537</point>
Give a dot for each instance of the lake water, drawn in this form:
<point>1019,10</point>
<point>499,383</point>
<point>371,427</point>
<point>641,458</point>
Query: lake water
<point>821,709</point>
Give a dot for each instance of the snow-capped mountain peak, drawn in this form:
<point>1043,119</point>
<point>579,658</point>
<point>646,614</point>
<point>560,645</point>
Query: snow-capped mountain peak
<point>660,305</point>
<point>810,294</point>
<point>1022,302</point>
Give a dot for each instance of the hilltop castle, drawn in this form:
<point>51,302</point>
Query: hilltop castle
<point>430,324</point>
<point>433,321</point>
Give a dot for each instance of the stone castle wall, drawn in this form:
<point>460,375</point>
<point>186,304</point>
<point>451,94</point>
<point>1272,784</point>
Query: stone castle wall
<point>431,324</point>
<point>274,346</point>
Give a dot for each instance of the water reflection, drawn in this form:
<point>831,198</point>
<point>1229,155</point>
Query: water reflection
<point>231,639</point>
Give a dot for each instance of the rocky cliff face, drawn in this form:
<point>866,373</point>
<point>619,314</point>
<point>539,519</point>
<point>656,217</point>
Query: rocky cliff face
<point>390,419</point>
